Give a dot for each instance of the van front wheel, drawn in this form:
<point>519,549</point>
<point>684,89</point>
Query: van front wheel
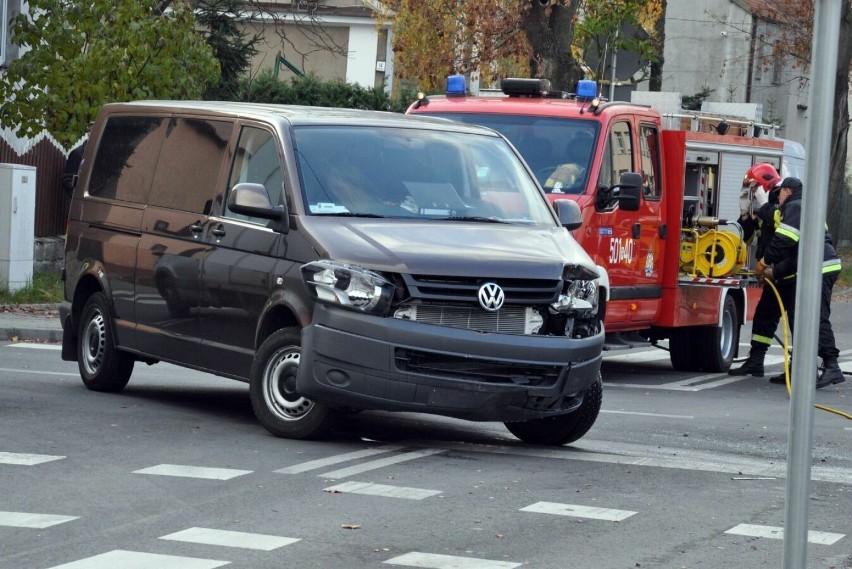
<point>102,366</point>
<point>562,429</point>
<point>272,389</point>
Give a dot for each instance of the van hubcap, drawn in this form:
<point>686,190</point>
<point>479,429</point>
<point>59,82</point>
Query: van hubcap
<point>279,386</point>
<point>94,344</point>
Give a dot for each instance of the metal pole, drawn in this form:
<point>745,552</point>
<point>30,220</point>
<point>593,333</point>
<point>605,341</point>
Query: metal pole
<point>826,34</point>
<point>614,57</point>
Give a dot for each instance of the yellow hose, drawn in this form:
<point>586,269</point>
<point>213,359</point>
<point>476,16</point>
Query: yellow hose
<point>787,353</point>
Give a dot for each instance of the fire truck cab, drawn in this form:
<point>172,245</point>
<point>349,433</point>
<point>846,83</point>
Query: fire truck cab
<point>659,196</point>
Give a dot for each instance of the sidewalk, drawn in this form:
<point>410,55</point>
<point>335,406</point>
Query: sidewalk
<point>30,323</point>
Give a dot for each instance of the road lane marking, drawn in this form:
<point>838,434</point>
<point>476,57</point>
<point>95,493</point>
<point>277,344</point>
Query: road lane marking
<point>380,463</point>
<point>226,538</point>
<point>661,415</point>
<point>35,346</point>
<point>383,490</point>
<point>193,471</point>
<point>437,561</point>
<point>661,457</point>
<point>37,372</point>
<point>575,511</point>
<point>771,532</point>
<point>138,560</point>
<point>34,521</point>
<point>337,459</point>
<point>26,459</point>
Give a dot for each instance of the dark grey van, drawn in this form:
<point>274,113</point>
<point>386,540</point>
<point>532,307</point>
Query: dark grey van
<point>336,261</point>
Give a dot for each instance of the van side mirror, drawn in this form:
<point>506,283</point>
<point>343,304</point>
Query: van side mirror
<point>569,214</point>
<point>253,200</point>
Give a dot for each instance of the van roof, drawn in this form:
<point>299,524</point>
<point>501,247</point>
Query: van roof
<point>296,114</point>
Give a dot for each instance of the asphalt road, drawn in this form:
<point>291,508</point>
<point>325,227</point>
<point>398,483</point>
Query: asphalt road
<point>681,470</point>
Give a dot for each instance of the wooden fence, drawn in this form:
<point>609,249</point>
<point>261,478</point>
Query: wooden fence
<point>51,204</point>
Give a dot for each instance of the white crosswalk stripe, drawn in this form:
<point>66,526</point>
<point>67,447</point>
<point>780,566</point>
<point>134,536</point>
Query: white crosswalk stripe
<point>337,459</point>
<point>193,471</point>
<point>575,511</point>
<point>771,532</point>
<point>23,459</point>
<point>34,521</point>
<point>121,559</point>
<point>385,490</point>
<point>226,538</point>
<point>437,561</point>
<point>380,463</point>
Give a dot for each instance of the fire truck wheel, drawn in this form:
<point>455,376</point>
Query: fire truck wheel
<point>562,429</point>
<point>719,343</point>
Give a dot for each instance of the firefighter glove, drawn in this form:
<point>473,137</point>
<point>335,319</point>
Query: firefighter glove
<point>765,274</point>
<point>745,203</point>
<point>760,196</point>
<point>759,268</point>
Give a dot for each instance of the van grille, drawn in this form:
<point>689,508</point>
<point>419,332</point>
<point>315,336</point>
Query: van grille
<point>508,320</point>
<point>465,289</point>
<point>489,371</point>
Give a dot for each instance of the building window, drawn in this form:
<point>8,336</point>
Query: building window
<point>777,63</point>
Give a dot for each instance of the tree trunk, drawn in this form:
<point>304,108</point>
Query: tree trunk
<point>655,81</point>
<point>550,31</point>
<point>840,130</point>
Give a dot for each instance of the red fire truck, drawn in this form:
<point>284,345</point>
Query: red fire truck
<point>660,199</point>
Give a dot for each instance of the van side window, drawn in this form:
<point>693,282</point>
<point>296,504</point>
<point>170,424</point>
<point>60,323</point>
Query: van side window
<point>187,173</point>
<point>257,161</point>
<point>649,154</point>
<point>127,150</point>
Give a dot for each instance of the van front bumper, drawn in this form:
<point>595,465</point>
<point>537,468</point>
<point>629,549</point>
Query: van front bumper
<point>355,360</point>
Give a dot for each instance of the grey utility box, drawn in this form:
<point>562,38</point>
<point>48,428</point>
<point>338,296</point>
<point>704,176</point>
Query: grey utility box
<point>17,225</point>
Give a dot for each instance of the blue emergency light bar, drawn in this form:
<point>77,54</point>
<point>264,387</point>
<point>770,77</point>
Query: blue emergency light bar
<point>587,89</point>
<point>456,86</point>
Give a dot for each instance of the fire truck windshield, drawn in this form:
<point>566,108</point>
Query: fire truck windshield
<point>557,150</point>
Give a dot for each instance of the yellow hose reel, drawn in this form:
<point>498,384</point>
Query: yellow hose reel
<point>712,253</point>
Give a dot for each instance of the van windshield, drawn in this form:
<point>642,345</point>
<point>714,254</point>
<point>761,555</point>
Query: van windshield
<point>558,151</point>
<point>369,171</point>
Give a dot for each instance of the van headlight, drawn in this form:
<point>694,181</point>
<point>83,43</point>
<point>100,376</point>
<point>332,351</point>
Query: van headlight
<point>348,286</point>
<point>579,299</point>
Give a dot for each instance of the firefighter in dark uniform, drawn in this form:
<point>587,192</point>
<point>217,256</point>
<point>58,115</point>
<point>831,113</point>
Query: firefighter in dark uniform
<point>780,263</point>
<point>763,181</point>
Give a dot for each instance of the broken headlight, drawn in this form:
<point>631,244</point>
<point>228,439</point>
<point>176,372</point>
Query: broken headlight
<point>348,286</point>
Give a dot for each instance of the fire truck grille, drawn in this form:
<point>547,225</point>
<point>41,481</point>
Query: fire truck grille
<point>488,371</point>
<point>465,289</point>
<point>508,320</point>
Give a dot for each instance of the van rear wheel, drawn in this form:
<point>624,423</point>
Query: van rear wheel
<point>102,366</point>
<point>272,389</point>
<point>562,429</point>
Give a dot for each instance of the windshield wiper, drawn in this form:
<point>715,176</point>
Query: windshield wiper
<point>477,218</point>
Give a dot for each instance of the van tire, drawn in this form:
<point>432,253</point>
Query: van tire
<point>274,399</point>
<point>102,366</point>
<point>562,429</point>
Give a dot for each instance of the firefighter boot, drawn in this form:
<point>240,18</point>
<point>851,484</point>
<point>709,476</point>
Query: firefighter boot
<point>830,375</point>
<point>753,364</point>
<point>781,378</point>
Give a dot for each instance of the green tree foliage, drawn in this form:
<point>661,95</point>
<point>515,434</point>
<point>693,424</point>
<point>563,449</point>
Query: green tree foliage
<point>313,91</point>
<point>231,45</point>
<point>79,55</point>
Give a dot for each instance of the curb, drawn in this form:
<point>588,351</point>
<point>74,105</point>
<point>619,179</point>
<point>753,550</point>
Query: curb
<point>30,323</point>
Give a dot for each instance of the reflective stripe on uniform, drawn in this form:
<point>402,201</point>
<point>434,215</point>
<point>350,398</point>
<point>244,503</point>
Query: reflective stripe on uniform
<point>831,266</point>
<point>761,339</point>
<point>788,231</point>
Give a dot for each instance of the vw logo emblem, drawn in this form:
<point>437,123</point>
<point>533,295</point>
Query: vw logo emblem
<point>491,297</point>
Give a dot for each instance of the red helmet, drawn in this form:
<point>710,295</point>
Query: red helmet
<point>764,174</point>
